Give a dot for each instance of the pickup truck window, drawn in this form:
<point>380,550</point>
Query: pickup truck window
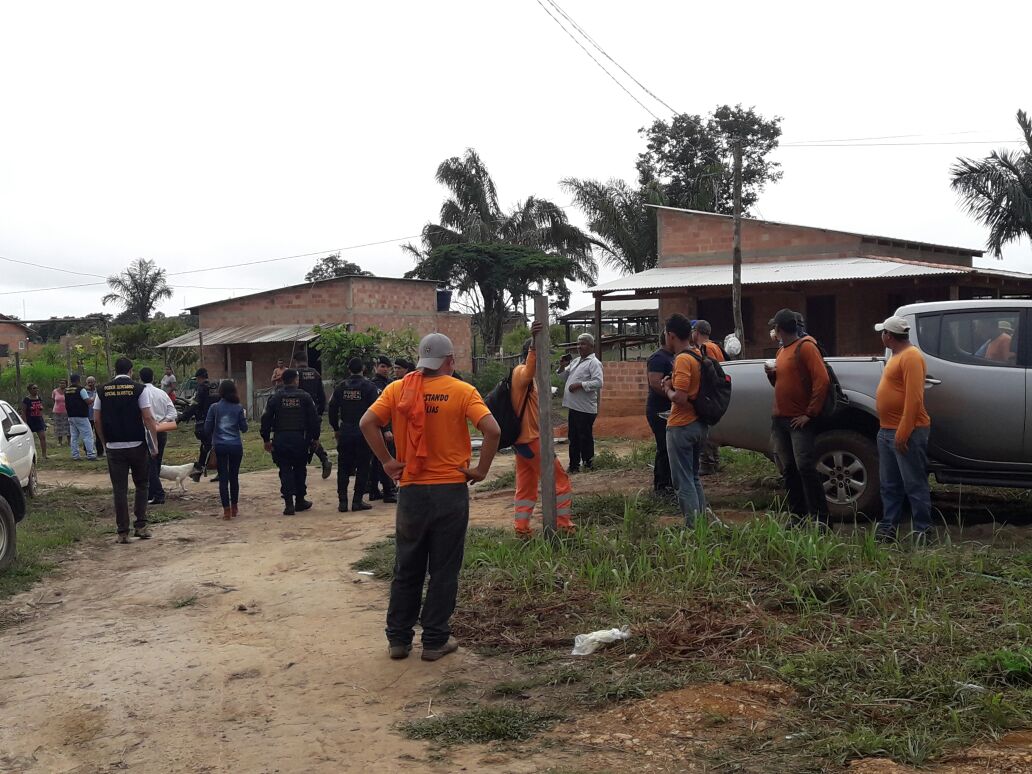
<point>928,333</point>
<point>986,338</point>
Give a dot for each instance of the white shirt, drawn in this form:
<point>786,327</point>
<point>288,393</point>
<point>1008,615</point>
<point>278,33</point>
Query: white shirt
<point>143,402</point>
<point>162,407</point>
<point>168,381</point>
<point>587,371</point>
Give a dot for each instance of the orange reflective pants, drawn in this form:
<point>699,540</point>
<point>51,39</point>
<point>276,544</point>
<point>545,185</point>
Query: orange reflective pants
<point>528,476</point>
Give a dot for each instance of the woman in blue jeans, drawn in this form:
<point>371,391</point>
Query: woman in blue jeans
<point>225,422</point>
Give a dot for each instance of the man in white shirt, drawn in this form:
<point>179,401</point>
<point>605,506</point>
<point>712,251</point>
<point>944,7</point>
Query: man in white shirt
<point>122,412</point>
<point>168,381</point>
<point>164,411</point>
<point>583,378</point>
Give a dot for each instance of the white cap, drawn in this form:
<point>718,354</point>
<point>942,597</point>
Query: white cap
<point>433,349</point>
<point>894,325</point>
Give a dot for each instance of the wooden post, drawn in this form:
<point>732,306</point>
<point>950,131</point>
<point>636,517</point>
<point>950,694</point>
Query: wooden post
<point>107,349</point>
<point>542,346</point>
<point>249,376</point>
<point>17,373</point>
<point>598,327</point>
<point>200,348</point>
<point>736,259</point>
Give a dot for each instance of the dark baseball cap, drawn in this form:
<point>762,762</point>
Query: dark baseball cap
<point>785,318</point>
<point>201,373</point>
<point>355,365</point>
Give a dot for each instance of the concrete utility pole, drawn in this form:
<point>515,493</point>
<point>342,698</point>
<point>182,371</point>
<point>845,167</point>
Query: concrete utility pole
<point>736,254</point>
<point>543,377</point>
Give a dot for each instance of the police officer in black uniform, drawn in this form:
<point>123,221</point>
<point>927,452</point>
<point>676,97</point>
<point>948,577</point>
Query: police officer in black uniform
<point>310,380</point>
<point>290,426</point>
<point>380,380</point>
<point>350,400</point>
<point>203,399</point>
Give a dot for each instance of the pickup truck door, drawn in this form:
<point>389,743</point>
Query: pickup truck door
<point>17,446</point>
<point>976,388</point>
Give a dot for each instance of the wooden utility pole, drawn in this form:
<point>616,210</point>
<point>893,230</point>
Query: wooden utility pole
<point>736,254</point>
<point>17,373</point>
<point>200,348</point>
<point>543,376</point>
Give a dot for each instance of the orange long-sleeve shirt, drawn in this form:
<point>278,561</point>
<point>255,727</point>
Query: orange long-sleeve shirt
<point>522,378</point>
<point>796,394</point>
<point>900,395</point>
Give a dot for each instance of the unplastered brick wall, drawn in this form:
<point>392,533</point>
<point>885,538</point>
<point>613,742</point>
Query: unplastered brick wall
<point>625,389</point>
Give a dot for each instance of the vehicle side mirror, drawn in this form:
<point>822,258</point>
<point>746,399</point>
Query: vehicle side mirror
<point>15,430</point>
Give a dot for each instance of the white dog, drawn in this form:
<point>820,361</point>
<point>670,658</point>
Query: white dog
<point>177,473</point>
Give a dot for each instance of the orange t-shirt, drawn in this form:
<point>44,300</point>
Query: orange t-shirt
<point>522,378</point>
<point>900,395</point>
<point>713,351</point>
<point>687,377</point>
<point>794,394</point>
<point>448,403</point>
<point>999,349</point>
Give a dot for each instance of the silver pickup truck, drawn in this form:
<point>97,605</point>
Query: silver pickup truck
<point>978,393</point>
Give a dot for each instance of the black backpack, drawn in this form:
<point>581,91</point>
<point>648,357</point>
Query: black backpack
<point>499,401</point>
<point>714,390</point>
<point>835,400</point>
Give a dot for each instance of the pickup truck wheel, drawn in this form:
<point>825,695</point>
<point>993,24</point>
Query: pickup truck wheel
<point>847,463</point>
<point>8,535</point>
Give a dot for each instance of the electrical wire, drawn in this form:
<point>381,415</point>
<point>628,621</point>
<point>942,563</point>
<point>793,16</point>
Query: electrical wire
<point>593,59</point>
<point>51,268</point>
<point>895,144</point>
<point>605,53</point>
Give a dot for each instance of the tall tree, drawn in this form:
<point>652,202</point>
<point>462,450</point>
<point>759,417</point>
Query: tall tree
<point>138,289</point>
<point>334,266</point>
<point>692,158</point>
<point>619,216</point>
<point>472,215</point>
<point>997,190</point>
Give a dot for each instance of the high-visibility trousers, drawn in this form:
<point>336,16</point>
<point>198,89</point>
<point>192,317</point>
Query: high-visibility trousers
<point>528,476</point>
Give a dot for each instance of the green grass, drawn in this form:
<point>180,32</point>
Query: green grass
<point>504,480</point>
<point>187,601</point>
<point>56,520</point>
<point>899,652</point>
<point>480,725</point>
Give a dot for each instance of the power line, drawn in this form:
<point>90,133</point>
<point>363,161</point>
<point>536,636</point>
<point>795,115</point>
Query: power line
<point>884,137</point>
<point>593,59</point>
<point>604,53</point>
<point>95,284</point>
<point>51,268</point>
<point>895,144</point>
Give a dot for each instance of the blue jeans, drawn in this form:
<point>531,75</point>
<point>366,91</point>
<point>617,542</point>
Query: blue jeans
<point>904,476</point>
<point>228,459</point>
<point>684,447</point>
<point>81,431</point>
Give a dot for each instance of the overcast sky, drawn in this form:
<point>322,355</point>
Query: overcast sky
<point>206,134</point>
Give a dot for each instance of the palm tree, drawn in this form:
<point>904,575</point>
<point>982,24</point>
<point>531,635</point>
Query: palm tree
<point>621,219</point>
<point>138,289</point>
<point>998,190</point>
<point>472,215</point>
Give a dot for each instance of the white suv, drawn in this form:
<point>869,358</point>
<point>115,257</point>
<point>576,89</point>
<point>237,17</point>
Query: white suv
<point>18,447</point>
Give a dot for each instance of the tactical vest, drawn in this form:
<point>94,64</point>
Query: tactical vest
<point>74,403</point>
<point>290,410</point>
<point>356,395</point>
<point>120,411</point>
<point>309,380</point>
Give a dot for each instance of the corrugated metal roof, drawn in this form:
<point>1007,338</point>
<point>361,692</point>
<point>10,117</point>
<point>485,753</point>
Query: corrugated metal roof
<point>822,270</point>
<point>247,334</point>
<point>645,307</point>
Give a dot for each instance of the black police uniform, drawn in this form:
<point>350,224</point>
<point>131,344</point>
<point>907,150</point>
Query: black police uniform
<point>310,380</point>
<point>292,421</point>
<point>377,475</point>
<point>350,400</point>
<point>198,411</point>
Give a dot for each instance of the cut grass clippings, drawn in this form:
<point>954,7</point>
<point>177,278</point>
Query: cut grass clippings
<point>889,651</point>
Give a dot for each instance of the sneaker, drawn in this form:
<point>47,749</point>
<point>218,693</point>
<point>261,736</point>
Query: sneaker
<point>390,498</point>
<point>142,534</point>
<point>358,505</point>
<point>433,654</point>
<point>573,469</point>
<point>156,501</point>
<point>342,506</point>
<point>214,479</point>
<point>123,537</point>
<point>327,468</point>
<point>400,651</point>
<point>303,504</point>
<point>288,509</point>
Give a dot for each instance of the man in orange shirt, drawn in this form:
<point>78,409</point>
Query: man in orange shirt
<point>801,383</point>
<point>701,333</point>
<point>999,349</point>
<point>428,411</point>
<point>528,448</point>
<point>903,437</point>
<point>686,435</point>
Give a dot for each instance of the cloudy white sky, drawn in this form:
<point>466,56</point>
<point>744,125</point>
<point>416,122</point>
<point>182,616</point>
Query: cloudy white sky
<point>206,134</point>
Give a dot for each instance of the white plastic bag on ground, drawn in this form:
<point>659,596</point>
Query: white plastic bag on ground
<point>586,644</point>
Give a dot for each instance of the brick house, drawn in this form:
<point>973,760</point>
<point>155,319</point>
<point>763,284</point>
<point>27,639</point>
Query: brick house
<point>14,337</point>
<point>263,327</point>
<point>842,282</point>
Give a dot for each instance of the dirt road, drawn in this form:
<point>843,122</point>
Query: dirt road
<point>248,646</point>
